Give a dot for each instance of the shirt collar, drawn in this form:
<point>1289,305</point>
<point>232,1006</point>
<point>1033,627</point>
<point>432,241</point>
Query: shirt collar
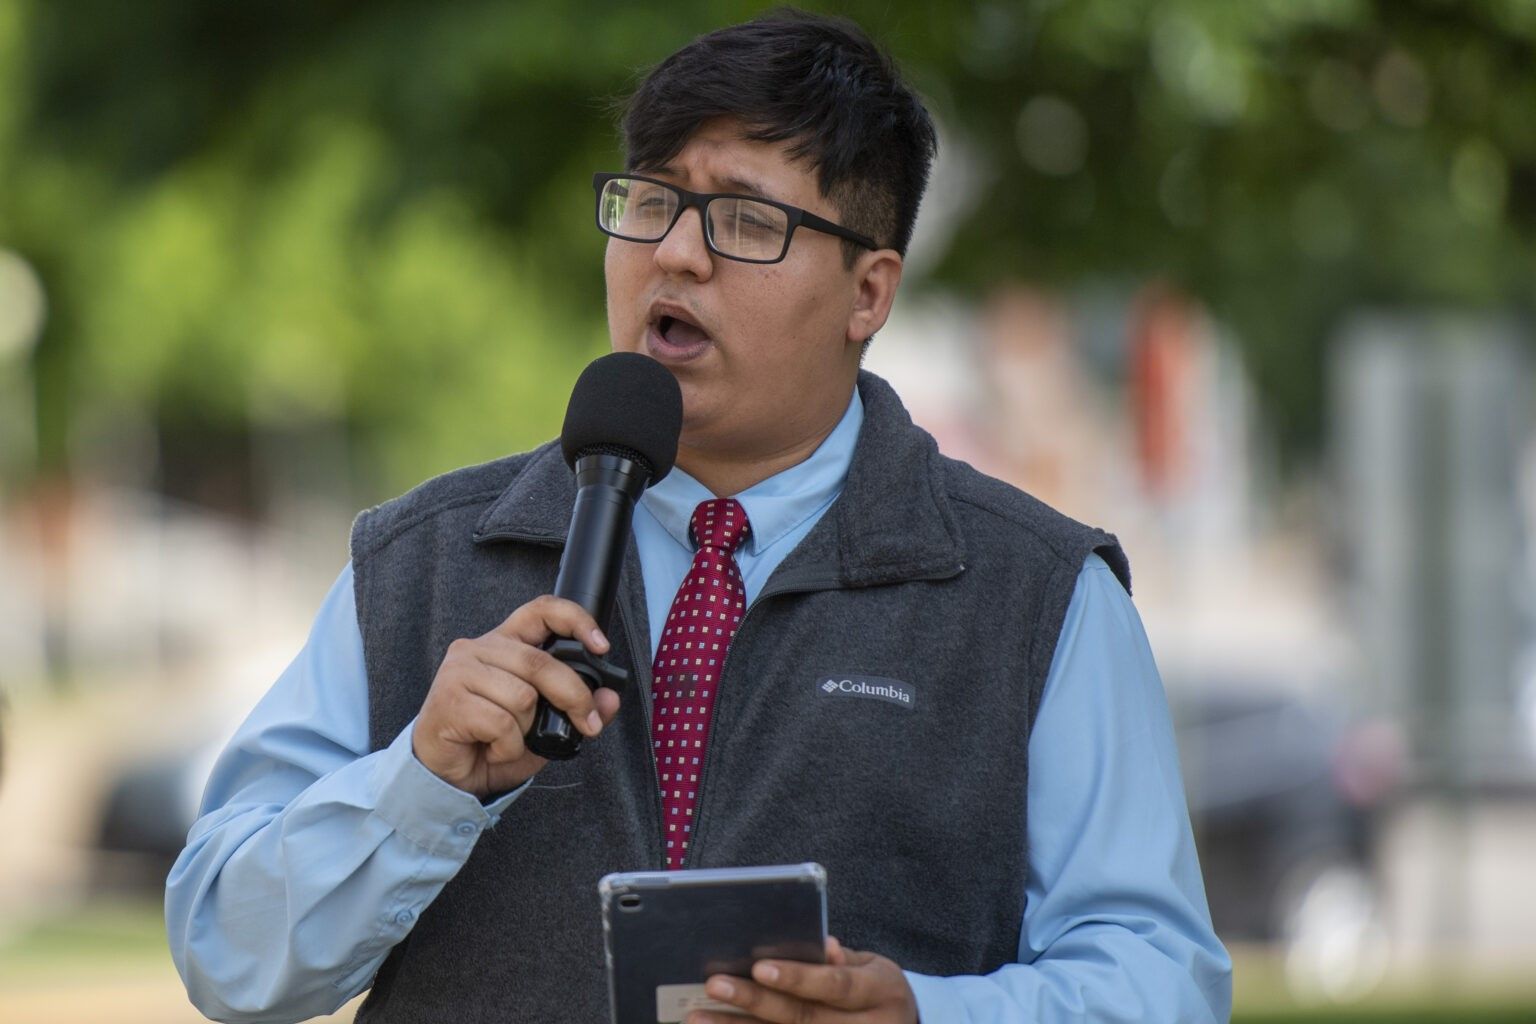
<point>865,539</point>
<point>774,506</point>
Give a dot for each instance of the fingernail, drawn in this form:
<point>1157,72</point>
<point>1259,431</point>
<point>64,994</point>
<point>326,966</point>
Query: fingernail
<point>721,989</point>
<point>594,723</point>
<point>598,639</point>
<point>768,973</point>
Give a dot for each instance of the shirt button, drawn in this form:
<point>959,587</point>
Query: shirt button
<point>404,917</point>
<point>465,828</point>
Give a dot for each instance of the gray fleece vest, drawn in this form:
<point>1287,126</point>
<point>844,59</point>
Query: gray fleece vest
<point>923,571</point>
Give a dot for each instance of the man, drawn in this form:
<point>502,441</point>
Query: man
<point>756,241</point>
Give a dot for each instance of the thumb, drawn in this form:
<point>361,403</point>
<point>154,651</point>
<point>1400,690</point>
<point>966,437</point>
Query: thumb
<point>607,702</point>
<point>835,953</point>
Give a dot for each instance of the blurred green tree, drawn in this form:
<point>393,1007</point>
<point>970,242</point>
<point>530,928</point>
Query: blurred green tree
<point>375,214</point>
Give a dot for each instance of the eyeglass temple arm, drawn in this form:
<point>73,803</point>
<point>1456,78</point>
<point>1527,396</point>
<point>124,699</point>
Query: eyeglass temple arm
<point>810,220</point>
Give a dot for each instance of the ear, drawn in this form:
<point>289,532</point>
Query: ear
<point>876,276</point>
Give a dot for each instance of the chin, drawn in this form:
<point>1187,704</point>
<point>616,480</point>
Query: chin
<point>696,405</point>
<point>702,415</point>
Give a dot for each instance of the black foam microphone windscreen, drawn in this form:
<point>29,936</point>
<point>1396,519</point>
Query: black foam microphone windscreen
<point>625,401</point>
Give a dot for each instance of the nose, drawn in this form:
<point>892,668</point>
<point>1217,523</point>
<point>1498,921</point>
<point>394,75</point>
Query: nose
<point>683,250</point>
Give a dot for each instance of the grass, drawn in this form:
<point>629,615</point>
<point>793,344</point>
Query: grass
<point>119,937</point>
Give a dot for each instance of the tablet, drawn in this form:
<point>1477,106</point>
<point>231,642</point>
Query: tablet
<point>666,932</point>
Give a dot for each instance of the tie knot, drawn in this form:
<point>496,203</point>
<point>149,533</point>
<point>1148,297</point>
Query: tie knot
<point>720,523</point>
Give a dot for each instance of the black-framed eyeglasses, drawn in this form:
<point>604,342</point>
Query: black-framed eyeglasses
<point>746,228</point>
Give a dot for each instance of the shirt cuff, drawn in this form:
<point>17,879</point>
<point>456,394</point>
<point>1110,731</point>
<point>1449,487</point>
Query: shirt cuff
<point>937,1001</point>
<point>425,809</point>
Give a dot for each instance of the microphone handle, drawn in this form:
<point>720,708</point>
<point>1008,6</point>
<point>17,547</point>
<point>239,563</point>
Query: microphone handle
<point>607,487</point>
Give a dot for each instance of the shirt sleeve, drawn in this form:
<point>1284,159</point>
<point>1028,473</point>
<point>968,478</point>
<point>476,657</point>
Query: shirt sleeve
<point>1116,925</point>
<point>312,856</point>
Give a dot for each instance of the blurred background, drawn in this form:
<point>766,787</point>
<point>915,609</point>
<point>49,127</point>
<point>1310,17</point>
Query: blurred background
<point>1249,282</point>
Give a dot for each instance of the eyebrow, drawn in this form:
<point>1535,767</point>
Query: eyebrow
<point>732,184</point>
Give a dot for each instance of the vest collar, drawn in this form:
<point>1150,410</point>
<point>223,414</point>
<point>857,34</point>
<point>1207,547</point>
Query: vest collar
<point>536,506</point>
<point>892,522</point>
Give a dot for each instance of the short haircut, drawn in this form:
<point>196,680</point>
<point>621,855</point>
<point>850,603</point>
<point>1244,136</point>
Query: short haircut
<point>816,82</point>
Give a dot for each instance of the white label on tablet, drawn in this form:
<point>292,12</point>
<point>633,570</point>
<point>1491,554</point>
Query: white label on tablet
<point>674,1002</point>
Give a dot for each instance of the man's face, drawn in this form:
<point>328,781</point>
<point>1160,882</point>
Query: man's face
<point>763,352</point>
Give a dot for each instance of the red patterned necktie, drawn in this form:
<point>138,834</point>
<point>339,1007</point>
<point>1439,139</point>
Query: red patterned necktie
<point>704,616</point>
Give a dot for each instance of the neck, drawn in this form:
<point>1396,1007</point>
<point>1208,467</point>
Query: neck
<point>725,472</point>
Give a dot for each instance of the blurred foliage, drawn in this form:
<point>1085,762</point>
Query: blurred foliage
<point>376,214</point>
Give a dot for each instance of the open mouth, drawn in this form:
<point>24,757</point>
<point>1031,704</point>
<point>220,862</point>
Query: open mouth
<point>680,332</point>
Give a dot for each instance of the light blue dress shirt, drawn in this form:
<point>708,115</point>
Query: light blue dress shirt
<point>313,856</point>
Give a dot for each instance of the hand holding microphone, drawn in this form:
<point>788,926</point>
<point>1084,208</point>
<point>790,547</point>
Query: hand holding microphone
<point>482,702</point>
<point>503,704</point>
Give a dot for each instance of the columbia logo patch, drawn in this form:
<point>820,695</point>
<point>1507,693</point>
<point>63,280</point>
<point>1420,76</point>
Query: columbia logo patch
<point>892,691</point>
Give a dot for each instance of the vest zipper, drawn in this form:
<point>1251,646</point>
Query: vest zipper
<point>808,586</point>
<point>801,585</point>
<point>644,700</point>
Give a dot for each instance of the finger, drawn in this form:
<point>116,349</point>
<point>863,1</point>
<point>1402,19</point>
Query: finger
<point>479,720</point>
<point>516,666</point>
<point>847,988</point>
<point>507,748</point>
<point>858,957</point>
<point>765,1004</point>
<point>547,616</point>
<point>607,702</point>
<point>508,693</point>
<point>835,953</point>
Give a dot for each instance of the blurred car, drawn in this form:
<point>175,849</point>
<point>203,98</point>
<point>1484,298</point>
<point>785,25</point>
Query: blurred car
<point>1284,793</point>
<point>146,814</point>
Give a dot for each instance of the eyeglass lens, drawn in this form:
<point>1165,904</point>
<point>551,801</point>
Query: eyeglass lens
<point>643,211</point>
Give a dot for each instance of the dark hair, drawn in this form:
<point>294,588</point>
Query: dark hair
<point>817,82</point>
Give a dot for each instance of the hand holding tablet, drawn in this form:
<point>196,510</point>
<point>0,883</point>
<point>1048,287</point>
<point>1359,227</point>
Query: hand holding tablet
<point>667,932</point>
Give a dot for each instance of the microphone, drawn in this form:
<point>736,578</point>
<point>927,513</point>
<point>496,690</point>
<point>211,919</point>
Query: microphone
<point>620,436</point>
